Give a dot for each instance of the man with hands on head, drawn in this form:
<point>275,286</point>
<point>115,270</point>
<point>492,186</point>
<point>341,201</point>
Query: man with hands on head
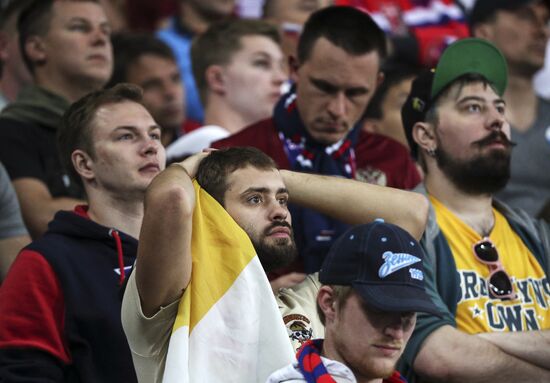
<point>248,185</point>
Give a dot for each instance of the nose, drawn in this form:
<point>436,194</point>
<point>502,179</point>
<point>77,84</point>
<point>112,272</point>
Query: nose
<point>541,23</point>
<point>150,147</point>
<point>171,89</point>
<point>395,328</point>
<point>279,75</point>
<point>100,36</point>
<point>337,105</point>
<point>496,119</point>
<point>278,212</point>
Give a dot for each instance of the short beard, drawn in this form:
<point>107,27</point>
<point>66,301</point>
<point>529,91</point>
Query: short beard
<point>276,255</point>
<point>482,174</point>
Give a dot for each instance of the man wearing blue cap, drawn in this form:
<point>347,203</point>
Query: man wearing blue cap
<point>373,285</point>
<point>487,266</point>
<point>519,29</point>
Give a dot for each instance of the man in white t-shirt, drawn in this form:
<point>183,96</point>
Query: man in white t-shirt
<point>248,185</point>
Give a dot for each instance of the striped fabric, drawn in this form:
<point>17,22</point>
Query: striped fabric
<point>310,363</point>
<point>228,326</point>
<point>313,369</point>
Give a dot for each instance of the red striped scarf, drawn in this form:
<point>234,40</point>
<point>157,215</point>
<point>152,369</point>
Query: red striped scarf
<point>313,369</point>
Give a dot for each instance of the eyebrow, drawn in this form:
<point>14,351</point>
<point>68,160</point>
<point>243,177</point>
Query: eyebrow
<point>481,99</point>
<point>261,52</point>
<point>133,128</point>
<point>264,190</point>
<point>330,87</point>
<point>79,19</point>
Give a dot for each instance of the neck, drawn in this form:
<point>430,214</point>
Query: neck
<point>10,87</point>
<point>121,214</point>
<point>69,90</point>
<point>521,101</point>
<point>221,114</point>
<point>474,210</point>
<point>192,19</point>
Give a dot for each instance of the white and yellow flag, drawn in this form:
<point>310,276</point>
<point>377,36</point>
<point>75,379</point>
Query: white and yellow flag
<point>228,327</point>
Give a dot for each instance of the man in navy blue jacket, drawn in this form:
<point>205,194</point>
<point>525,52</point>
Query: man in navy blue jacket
<point>60,303</point>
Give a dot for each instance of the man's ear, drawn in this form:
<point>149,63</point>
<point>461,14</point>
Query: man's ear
<point>380,79</point>
<point>424,135</point>
<point>293,67</point>
<point>327,303</point>
<point>215,79</point>
<point>34,48</point>
<point>483,31</point>
<point>3,46</point>
<point>83,164</point>
<point>372,125</point>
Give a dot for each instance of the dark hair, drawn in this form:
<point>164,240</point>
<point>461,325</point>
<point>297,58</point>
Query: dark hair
<point>394,73</point>
<point>129,47</point>
<point>35,20</point>
<point>75,130</point>
<point>215,168</point>
<point>220,42</point>
<point>346,27</point>
<point>11,9</point>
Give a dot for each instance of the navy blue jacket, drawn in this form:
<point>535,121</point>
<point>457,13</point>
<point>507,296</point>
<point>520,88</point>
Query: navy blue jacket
<point>60,306</point>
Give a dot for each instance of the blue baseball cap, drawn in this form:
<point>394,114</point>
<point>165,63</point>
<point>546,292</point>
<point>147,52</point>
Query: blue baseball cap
<point>383,264</point>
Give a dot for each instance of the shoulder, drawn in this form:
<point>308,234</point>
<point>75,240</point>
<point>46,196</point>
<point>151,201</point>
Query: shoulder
<point>253,135</point>
<point>195,141</point>
<point>298,307</point>
<point>288,374</point>
<point>376,152</point>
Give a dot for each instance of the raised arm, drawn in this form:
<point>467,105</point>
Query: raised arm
<point>163,266</point>
<point>356,202</point>
<point>449,355</point>
<point>531,346</point>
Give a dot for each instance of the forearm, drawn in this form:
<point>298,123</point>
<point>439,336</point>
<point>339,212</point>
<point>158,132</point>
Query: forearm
<point>531,346</point>
<point>449,355</point>
<point>357,202</point>
<point>164,254</point>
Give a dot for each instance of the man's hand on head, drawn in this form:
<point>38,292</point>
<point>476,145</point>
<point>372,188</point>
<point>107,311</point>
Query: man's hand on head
<point>191,163</point>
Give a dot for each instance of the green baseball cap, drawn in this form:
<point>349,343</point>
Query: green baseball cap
<point>466,56</point>
<point>471,55</point>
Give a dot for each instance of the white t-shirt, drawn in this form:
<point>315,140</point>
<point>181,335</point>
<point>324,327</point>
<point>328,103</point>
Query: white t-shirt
<point>195,141</point>
<point>148,338</point>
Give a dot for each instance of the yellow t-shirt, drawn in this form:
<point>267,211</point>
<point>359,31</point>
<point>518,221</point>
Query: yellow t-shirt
<point>476,311</point>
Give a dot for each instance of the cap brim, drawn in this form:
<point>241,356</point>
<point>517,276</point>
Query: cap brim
<point>396,297</point>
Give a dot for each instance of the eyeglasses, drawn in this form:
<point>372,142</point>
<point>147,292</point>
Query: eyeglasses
<point>499,283</point>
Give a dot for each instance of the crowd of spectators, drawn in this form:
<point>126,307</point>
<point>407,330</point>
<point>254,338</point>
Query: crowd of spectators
<point>301,122</point>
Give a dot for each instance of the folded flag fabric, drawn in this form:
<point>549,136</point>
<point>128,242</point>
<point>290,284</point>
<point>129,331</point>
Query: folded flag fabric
<point>228,327</point>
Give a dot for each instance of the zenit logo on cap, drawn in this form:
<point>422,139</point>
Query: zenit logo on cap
<point>395,261</point>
